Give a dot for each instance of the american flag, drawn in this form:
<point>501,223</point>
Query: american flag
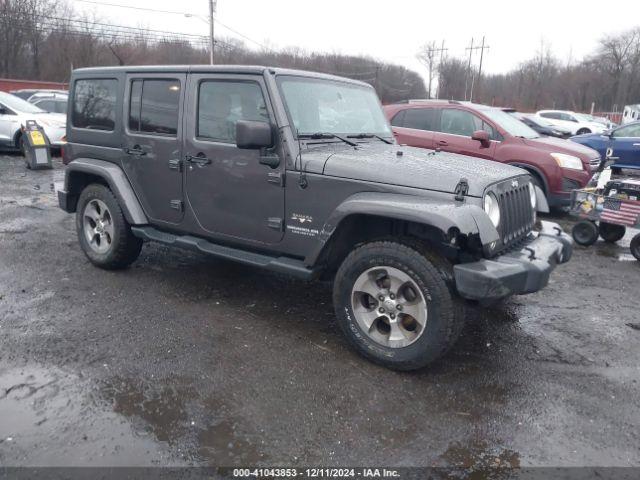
<point>620,212</point>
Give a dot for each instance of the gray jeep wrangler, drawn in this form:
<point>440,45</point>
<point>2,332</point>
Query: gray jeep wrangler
<point>299,173</point>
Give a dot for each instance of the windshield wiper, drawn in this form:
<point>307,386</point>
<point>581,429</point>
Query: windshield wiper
<point>371,135</point>
<point>320,136</point>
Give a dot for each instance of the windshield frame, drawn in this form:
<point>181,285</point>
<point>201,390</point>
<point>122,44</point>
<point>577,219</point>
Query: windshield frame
<point>18,105</point>
<point>388,134</point>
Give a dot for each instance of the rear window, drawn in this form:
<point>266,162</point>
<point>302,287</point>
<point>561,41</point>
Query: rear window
<point>154,106</point>
<point>94,104</point>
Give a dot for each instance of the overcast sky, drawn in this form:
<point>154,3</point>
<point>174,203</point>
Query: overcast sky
<point>394,30</point>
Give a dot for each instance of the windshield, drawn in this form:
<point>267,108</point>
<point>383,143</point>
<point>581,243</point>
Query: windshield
<point>17,104</point>
<point>326,106</point>
<point>584,117</point>
<point>510,124</point>
<point>539,121</point>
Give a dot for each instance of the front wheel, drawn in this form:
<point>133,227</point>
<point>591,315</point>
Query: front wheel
<point>635,246</point>
<point>394,305</point>
<point>585,233</point>
<point>582,131</point>
<point>104,233</point>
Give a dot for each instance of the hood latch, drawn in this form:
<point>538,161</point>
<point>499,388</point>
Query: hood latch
<point>462,188</point>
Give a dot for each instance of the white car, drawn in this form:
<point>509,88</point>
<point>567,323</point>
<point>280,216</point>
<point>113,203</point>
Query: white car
<point>578,123</point>
<point>14,113</point>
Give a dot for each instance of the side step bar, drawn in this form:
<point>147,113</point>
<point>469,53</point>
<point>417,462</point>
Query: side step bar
<point>286,265</point>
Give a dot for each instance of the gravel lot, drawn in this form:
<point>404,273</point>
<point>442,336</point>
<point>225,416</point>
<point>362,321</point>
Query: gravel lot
<point>184,359</point>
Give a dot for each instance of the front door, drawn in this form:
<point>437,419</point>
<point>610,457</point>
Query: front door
<point>153,143</point>
<point>457,127</point>
<point>231,193</point>
<point>625,145</point>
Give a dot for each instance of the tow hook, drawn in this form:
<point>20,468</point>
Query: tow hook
<point>532,253</point>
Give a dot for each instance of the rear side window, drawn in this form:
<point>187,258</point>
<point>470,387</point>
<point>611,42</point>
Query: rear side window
<point>420,118</point>
<point>154,106</point>
<point>94,104</point>
<point>222,103</point>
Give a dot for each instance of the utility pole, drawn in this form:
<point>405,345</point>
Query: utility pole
<point>212,10</point>
<point>428,57</point>
<point>466,77</point>
<point>442,50</point>
<point>471,48</point>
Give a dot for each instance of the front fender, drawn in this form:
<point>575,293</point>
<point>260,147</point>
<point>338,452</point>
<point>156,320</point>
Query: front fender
<point>468,219</point>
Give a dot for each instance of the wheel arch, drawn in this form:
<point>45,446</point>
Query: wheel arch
<point>447,227</point>
<point>83,172</point>
<point>533,170</point>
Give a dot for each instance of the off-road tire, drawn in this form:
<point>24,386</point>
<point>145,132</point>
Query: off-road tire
<point>611,232</point>
<point>125,247</point>
<point>434,278</point>
<point>585,233</point>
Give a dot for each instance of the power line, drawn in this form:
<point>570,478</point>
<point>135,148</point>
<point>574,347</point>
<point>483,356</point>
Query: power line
<point>173,12</point>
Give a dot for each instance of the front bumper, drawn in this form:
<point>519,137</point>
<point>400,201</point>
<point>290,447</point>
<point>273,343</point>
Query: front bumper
<point>517,272</point>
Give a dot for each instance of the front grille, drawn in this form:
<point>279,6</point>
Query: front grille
<point>516,214</point>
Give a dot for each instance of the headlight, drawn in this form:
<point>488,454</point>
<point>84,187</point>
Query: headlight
<point>567,161</point>
<point>492,208</point>
<point>532,195</point>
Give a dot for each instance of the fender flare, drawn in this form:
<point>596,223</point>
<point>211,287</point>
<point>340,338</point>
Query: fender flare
<point>468,219</point>
<point>117,181</point>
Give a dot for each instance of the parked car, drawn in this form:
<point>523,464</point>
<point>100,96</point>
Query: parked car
<point>27,93</point>
<point>50,102</point>
<point>556,165</point>
<point>297,172</point>
<point>577,123</point>
<point>14,112</point>
<point>540,125</point>
<point>621,143</point>
<point>631,113</point>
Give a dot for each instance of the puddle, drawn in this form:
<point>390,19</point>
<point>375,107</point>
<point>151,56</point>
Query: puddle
<point>479,460</point>
<point>178,416</point>
<point>50,418</point>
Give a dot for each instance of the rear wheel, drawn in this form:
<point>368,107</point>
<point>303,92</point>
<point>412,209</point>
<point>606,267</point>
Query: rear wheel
<point>394,305</point>
<point>582,131</point>
<point>635,246</point>
<point>103,232</point>
<point>585,233</point>
<point>611,232</point>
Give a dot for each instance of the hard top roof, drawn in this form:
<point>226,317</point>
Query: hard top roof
<point>241,69</point>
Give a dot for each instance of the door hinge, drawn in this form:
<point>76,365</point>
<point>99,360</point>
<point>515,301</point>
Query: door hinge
<point>462,188</point>
<point>275,223</point>
<point>175,164</point>
<point>176,205</point>
<point>276,178</point>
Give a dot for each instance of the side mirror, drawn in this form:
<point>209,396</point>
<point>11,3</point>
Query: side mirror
<point>253,135</point>
<point>482,136</point>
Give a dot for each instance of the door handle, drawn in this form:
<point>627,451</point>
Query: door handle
<point>200,159</point>
<point>136,151</point>
<point>442,142</point>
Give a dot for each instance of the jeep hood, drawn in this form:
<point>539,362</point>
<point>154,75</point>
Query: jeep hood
<point>414,167</point>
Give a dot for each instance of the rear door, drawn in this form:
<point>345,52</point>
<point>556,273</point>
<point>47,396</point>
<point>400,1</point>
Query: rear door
<point>231,193</point>
<point>153,143</point>
<point>457,127</point>
<point>415,126</point>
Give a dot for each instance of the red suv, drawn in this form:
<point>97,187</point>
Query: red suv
<point>558,166</point>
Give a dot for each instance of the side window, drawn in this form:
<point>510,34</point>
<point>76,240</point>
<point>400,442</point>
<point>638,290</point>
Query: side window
<point>420,118</point>
<point>47,105</point>
<point>553,115</point>
<point>630,131</point>
<point>459,122</point>
<point>398,119</point>
<point>94,104</point>
<point>60,106</point>
<point>222,103</point>
<point>154,105</point>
